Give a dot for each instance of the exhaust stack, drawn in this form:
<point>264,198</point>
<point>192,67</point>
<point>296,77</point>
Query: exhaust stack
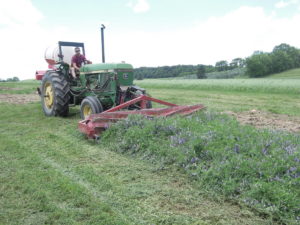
<point>102,42</point>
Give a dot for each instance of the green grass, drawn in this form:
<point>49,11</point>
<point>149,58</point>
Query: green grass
<point>271,95</point>
<point>22,87</point>
<point>51,175</point>
<point>284,86</point>
<point>289,74</point>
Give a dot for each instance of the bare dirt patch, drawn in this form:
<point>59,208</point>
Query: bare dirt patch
<point>10,88</point>
<point>19,98</point>
<point>262,119</point>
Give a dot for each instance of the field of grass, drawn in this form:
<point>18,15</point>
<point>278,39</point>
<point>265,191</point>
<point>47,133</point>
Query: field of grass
<point>24,87</point>
<point>271,95</point>
<point>50,174</point>
<point>153,172</point>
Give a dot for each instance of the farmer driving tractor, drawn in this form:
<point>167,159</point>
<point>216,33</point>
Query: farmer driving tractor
<point>77,61</point>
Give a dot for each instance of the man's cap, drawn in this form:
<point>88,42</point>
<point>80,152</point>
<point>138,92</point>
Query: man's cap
<point>77,49</point>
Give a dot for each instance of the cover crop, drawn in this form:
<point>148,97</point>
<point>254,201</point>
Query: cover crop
<point>257,168</point>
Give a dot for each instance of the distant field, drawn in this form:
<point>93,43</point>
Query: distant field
<point>283,86</point>
<point>23,87</point>
<point>279,96</point>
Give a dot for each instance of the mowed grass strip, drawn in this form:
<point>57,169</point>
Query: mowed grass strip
<point>35,192</point>
<point>51,175</point>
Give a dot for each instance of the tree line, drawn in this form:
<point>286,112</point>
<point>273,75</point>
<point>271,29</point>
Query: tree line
<point>14,79</point>
<point>184,70</point>
<point>283,57</point>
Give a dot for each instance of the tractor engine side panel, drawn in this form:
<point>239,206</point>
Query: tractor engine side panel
<point>124,77</point>
<point>102,85</point>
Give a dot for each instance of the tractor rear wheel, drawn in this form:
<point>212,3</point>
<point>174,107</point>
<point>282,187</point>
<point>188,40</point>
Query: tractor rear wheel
<point>55,94</point>
<point>90,105</point>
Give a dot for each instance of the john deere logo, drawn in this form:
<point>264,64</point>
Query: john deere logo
<point>125,75</point>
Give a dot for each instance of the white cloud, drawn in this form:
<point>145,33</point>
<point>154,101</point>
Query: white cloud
<point>283,4</point>
<point>18,12</point>
<point>20,36</point>
<point>139,6</point>
<point>24,40</point>
<point>237,34</point>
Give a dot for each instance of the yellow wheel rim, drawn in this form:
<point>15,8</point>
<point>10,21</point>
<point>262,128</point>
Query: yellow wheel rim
<point>48,95</point>
<point>87,110</point>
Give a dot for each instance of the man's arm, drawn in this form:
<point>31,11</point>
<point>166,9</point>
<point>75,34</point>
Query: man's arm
<point>75,66</point>
<point>86,61</point>
<point>73,62</point>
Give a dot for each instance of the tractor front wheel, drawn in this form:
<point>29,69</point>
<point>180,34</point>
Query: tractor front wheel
<point>90,105</point>
<point>55,94</point>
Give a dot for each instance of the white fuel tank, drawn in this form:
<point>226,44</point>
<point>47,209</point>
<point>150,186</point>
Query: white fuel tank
<point>52,53</point>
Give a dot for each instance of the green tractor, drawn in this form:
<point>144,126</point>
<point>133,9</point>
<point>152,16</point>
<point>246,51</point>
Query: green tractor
<point>98,87</point>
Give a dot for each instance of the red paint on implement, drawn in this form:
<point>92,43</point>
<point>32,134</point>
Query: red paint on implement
<point>95,124</point>
<point>39,74</point>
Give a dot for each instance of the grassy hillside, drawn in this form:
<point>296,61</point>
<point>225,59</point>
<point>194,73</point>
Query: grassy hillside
<point>289,74</point>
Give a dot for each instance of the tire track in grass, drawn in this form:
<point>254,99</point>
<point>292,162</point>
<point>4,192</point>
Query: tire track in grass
<point>108,196</point>
<point>33,193</point>
<point>163,199</point>
<point>78,180</point>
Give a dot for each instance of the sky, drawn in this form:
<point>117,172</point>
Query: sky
<point>144,32</point>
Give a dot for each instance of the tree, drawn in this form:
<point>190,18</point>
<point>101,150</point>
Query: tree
<point>286,54</point>
<point>233,65</point>
<point>222,65</point>
<point>201,72</point>
<point>281,61</point>
<point>237,62</point>
<point>259,65</point>
<point>15,79</point>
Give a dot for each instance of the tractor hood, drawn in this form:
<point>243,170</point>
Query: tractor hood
<point>105,66</point>
<point>123,71</point>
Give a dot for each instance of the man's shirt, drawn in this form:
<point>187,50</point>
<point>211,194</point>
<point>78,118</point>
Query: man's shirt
<point>78,59</point>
